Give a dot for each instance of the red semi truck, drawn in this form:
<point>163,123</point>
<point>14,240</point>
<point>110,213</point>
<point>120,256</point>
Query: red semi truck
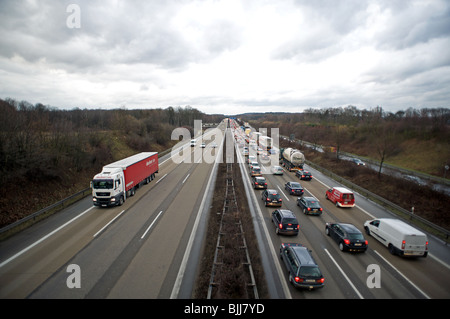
<point>119,180</point>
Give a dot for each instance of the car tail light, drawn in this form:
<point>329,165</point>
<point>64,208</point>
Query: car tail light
<point>426,246</point>
<point>298,279</point>
<point>367,243</point>
<point>280,226</point>
<point>268,199</point>
<point>320,209</point>
<point>298,226</point>
<point>320,281</point>
<point>403,244</point>
<point>256,183</point>
<point>347,242</point>
<point>309,208</point>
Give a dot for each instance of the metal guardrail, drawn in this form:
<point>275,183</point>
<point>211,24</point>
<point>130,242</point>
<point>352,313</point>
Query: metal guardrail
<point>37,215</point>
<point>56,206</point>
<point>440,232</point>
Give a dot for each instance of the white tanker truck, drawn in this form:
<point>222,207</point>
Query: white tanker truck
<point>292,159</point>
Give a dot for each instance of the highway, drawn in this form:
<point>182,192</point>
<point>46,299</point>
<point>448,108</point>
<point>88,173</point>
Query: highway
<point>132,251</point>
<point>347,274</point>
<point>150,246</point>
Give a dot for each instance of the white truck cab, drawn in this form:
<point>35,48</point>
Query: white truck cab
<point>401,238</point>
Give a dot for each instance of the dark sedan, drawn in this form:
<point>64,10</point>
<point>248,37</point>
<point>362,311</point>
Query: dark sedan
<point>348,237</point>
<point>259,182</point>
<point>271,198</point>
<point>294,188</point>
<point>303,175</point>
<point>309,205</point>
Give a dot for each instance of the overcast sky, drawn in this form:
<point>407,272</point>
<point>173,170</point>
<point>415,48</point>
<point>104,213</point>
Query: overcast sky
<point>226,56</point>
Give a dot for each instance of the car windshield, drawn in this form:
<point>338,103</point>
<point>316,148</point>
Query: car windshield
<point>102,184</point>
<point>296,185</point>
<point>310,271</point>
<point>274,195</point>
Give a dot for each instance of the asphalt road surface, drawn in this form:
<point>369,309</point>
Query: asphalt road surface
<point>150,246</point>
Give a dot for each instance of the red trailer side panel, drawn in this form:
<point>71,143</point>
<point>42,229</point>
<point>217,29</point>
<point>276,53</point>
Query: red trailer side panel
<point>137,167</point>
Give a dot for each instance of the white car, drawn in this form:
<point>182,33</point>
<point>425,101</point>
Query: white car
<point>277,170</point>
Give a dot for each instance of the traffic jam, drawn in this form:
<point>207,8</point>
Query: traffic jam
<point>302,269</point>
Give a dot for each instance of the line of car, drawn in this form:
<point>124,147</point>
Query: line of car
<point>399,237</point>
<point>302,269</point>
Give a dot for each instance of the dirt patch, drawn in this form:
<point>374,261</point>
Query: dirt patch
<point>231,276</point>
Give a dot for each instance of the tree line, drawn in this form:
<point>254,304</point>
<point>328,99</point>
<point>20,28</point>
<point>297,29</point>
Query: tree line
<point>369,132</point>
<point>39,142</point>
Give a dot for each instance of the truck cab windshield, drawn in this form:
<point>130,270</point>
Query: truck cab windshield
<point>102,184</point>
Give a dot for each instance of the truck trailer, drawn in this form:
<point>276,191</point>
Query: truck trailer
<point>119,180</point>
<point>292,159</point>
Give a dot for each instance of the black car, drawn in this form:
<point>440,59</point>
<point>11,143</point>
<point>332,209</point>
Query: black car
<point>348,237</point>
<point>301,266</point>
<point>271,198</point>
<point>259,182</point>
<point>294,188</point>
<point>285,222</point>
<point>304,175</point>
<point>309,205</point>
<point>255,171</point>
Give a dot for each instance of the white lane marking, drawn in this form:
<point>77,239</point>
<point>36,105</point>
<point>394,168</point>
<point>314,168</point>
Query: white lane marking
<point>270,244</point>
<point>44,238</point>
<point>151,225</point>
<point>345,276</point>
<point>184,180</point>
<point>283,193</point>
<point>111,221</point>
<point>177,285</point>
<point>161,179</point>
<point>398,271</point>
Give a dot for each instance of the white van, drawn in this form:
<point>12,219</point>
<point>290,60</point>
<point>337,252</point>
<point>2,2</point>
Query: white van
<point>401,238</point>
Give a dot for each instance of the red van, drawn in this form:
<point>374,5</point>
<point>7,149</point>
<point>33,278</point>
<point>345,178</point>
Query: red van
<point>341,196</point>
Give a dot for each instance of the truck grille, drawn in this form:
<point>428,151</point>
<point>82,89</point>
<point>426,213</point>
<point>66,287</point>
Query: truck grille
<point>102,193</point>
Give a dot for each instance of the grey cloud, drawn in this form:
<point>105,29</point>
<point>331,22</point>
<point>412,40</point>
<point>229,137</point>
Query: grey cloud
<point>412,23</point>
<point>124,32</point>
<point>321,33</point>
